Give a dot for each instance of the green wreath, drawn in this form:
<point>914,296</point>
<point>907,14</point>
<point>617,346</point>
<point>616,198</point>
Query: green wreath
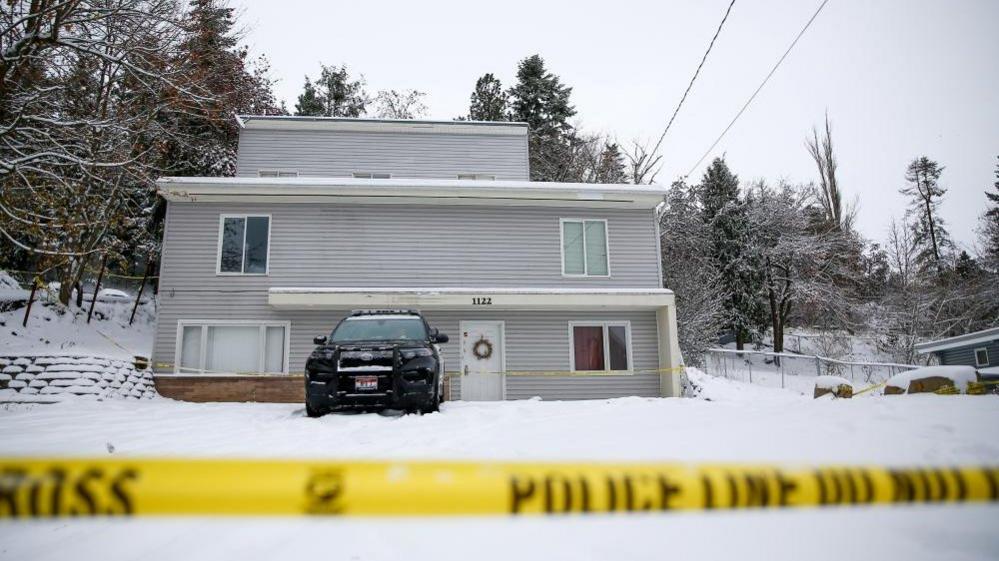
<point>482,349</point>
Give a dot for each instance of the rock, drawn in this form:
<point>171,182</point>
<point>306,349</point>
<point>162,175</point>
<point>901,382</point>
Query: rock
<point>30,391</point>
<point>12,369</point>
<point>5,377</point>
<point>79,367</point>
<point>930,379</point>
<point>57,375</point>
<point>37,384</point>
<point>17,384</point>
<point>26,376</point>
<point>34,368</point>
<point>22,361</point>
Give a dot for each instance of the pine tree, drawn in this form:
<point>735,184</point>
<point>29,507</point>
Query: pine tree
<point>334,94</point>
<point>541,100</point>
<point>308,101</point>
<point>740,277</point>
<point>610,166</point>
<point>489,101</point>
<point>925,193</point>
<point>989,229</point>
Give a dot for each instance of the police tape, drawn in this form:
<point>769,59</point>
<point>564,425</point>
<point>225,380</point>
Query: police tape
<point>577,373</point>
<point>33,487</point>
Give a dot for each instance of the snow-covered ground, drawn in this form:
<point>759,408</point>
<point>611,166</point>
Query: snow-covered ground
<point>53,330</point>
<point>729,421</point>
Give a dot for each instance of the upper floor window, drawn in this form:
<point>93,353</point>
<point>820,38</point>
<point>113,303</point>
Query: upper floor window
<point>585,251</point>
<point>982,357</point>
<point>477,176</point>
<point>371,175</point>
<point>244,244</point>
<point>276,173</point>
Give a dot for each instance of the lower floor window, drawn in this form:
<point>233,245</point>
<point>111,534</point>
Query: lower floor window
<point>601,346</point>
<point>227,347</point>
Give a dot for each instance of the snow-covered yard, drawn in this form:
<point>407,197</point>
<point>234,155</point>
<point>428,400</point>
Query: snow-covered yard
<point>729,422</point>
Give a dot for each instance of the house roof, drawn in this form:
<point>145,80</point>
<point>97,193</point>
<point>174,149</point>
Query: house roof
<point>405,191</point>
<point>976,338</point>
<point>288,122</point>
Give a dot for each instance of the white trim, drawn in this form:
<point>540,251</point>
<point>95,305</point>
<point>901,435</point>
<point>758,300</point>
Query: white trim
<point>370,175</point>
<point>968,339</point>
<point>659,246</point>
<point>218,252</point>
<point>461,349</point>
<point>451,298</point>
<point>561,245</point>
<point>986,350</point>
<point>400,191</point>
<point>203,323</point>
<point>603,324</point>
<point>289,122</point>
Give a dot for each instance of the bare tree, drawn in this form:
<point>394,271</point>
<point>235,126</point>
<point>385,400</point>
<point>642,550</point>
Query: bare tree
<point>405,104</point>
<point>827,192</point>
<point>643,164</point>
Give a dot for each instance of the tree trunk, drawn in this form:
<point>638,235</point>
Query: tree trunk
<point>97,289</point>
<point>740,339</point>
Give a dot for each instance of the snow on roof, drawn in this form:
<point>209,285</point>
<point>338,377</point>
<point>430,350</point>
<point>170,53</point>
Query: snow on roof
<point>406,126</point>
<point>960,375</point>
<point>974,338</point>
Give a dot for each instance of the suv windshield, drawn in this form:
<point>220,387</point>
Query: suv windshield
<point>380,328</point>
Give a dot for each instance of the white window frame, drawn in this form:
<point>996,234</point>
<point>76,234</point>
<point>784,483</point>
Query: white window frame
<point>371,175</point>
<point>986,350</point>
<point>476,177</point>
<point>561,246</point>
<point>604,324</point>
<point>277,173</point>
<point>218,254</point>
<point>205,323</point>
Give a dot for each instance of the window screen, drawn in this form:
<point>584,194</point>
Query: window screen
<point>584,248</point>
<point>244,245</point>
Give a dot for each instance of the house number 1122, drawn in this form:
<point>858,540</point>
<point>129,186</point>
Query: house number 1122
<point>482,301</point>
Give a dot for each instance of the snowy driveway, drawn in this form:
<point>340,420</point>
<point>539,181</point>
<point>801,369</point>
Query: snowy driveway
<point>739,423</point>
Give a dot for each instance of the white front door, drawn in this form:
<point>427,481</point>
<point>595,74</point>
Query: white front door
<point>482,360</point>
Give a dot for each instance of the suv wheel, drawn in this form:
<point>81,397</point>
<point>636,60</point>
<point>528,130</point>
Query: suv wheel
<point>312,411</point>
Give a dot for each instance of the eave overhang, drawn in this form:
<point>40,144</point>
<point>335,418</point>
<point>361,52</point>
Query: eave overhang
<point>407,191</point>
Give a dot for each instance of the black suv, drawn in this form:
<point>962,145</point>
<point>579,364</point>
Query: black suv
<point>376,359</point>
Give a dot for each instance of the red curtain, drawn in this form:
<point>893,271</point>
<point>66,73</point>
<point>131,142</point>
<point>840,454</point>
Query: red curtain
<point>588,347</point>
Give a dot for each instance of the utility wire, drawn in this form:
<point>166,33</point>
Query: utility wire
<point>765,80</point>
<point>691,84</point>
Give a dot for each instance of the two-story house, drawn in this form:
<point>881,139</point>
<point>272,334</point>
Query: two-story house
<point>545,289</point>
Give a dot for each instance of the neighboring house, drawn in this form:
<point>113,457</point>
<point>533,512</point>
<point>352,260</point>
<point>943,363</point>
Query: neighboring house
<point>979,349</point>
<point>327,215</point>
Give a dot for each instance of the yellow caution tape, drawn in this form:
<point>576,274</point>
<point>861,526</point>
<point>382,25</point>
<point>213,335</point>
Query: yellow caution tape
<point>135,487</point>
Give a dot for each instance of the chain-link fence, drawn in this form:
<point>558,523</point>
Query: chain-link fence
<point>794,371</point>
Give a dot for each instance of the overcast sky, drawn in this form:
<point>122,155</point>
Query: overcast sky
<point>899,78</point>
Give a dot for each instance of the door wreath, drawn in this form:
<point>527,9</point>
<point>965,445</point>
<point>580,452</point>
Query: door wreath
<point>482,349</point>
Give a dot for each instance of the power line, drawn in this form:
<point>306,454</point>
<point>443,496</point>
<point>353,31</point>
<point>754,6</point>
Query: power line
<point>692,79</point>
<point>765,80</point>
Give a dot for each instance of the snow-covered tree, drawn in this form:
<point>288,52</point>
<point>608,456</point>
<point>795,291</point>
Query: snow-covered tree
<point>90,92</point>
<point>333,94</point>
<point>690,272</point>
<point>740,271</point>
<point>489,101</point>
<point>988,230</point>
<point>405,104</point>
<point>925,193</point>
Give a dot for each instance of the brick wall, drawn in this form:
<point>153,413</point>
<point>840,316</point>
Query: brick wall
<point>275,389</point>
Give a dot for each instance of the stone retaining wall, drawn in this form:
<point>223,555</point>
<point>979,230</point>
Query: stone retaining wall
<point>53,377</point>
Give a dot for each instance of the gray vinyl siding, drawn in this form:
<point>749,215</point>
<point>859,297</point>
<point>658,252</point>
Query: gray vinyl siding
<point>414,155</point>
<point>336,245</point>
<point>966,355</point>
<point>534,341</point>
